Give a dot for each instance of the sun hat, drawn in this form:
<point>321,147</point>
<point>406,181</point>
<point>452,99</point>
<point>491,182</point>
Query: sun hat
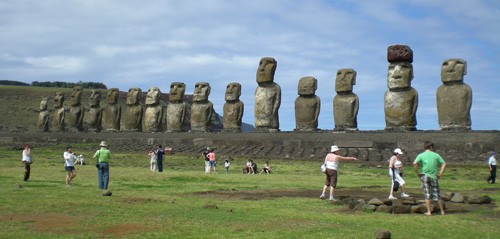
<point>69,146</point>
<point>103,144</point>
<point>398,151</point>
<point>334,148</point>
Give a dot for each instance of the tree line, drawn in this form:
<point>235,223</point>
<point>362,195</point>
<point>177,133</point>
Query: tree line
<point>59,84</point>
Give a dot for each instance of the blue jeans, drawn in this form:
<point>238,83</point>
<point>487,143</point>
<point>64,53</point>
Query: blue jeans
<point>159,163</point>
<point>103,175</point>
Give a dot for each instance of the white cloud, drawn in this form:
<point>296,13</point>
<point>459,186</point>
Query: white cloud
<point>64,63</point>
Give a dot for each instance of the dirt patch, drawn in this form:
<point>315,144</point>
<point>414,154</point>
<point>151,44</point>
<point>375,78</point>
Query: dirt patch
<point>53,223</point>
<point>138,200</point>
<point>126,228</point>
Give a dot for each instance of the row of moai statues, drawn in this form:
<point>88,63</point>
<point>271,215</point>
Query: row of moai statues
<point>454,100</point>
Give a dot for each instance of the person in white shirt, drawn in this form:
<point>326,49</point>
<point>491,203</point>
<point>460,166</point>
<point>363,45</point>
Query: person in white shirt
<point>226,165</point>
<point>69,164</point>
<point>26,159</point>
<point>332,163</point>
<point>492,164</point>
<point>395,171</point>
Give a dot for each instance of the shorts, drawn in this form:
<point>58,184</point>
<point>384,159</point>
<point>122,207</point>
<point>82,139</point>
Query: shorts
<point>331,178</point>
<point>69,168</point>
<point>211,163</point>
<point>430,186</point>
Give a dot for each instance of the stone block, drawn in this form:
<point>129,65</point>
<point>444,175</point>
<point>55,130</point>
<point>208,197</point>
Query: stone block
<point>383,234</point>
<point>399,53</point>
<point>354,143</point>
<point>401,209</point>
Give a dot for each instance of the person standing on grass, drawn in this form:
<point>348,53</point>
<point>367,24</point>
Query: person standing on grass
<point>332,162</point>
<point>26,160</point>
<point>492,164</point>
<point>426,167</point>
<point>396,173</point>
<point>103,155</point>
<point>226,165</point>
<point>205,157</point>
<point>159,158</point>
<point>152,156</point>
<point>211,160</point>
<point>69,164</point>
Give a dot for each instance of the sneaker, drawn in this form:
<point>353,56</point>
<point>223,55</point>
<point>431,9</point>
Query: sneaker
<point>322,196</point>
<point>331,198</point>
<point>392,198</point>
<point>404,195</point>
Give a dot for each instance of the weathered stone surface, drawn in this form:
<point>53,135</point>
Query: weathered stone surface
<point>43,116</point>
<point>360,206</point>
<point>383,234</point>
<point>457,198</point>
<point>74,115</point>
<point>420,208</point>
<point>267,97</point>
<point>454,97</point>
<point>369,208</point>
<point>111,115</point>
<point>153,116</point>
<point>376,202</point>
<point>401,209</point>
<point>202,108</point>
<point>345,103</point>
<point>447,196</point>
<point>307,105</point>
<point>134,111</point>
<point>59,112</point>
<point>408,201</point>
<point>388,202</point>
<point>177,108</point>
<point>399,53</point>
<point>384,208</point>
<point>478,199</point>
<point>233,108</point>
<point>94,115</point>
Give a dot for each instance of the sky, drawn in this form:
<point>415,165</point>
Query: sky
<point>132,43</point>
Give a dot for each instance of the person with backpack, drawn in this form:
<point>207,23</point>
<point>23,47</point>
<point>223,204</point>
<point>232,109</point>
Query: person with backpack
<point>395,166</point>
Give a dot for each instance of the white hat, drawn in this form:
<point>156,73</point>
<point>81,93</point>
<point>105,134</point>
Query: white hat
<point>103,144</point>
<point>334,148</point>
<point>398,151</point>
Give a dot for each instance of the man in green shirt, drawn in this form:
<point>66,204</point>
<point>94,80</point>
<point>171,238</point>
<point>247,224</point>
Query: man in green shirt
<point>103,155</point>
<point>426,166</point>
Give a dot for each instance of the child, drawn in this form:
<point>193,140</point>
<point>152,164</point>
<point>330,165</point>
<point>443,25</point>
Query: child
<point>249,167</point>
<point>152,155</point>
<point>266,168</point>
<point>226,165</point>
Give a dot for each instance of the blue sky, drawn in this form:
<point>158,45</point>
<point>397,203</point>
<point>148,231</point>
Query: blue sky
<point>129,43</point>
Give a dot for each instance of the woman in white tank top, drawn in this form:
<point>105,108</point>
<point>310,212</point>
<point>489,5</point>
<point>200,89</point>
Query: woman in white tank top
<point>332,163</point>
<point>395,165</point>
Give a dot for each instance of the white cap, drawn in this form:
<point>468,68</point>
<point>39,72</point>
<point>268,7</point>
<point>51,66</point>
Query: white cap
<point>398,151</point>
<point>103,144</point>
<point>334,148</point>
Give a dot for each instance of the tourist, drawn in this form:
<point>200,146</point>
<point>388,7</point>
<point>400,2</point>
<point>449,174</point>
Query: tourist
<point>26,160</point>
<point>69,164</point>
<point>492,164</point>
<point>211,160</point>
<point>226,165</point>
<point>103,155</point>
<point>426,166</point>
<point>152,163</point>
<point>159,158</point>
<point>249,167</point>
<point>205,157</point>
<point>332,160</point>
<point>395,166</point>
<point>266,169</point>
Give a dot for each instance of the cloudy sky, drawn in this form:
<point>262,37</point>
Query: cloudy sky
<point>126,43</point>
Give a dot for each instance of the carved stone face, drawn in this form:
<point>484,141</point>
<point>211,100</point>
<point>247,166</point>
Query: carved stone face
<point>233,91</point>
<point>95,98</point>
<point>153,96</point>
<point>59,100</point>
<point>307,86</point>
<point>266,69</point>
<point>76,96</point>
<point>133,96</point>
<point>453,70</point>
<point>43,104</point>
<point>113,96</point>
<point>177,90</point>
<point>345,79</point>
<point>201,91</point>
<point>399,75</point>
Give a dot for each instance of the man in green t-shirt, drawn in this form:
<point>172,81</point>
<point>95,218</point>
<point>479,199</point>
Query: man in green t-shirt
<point>103,155</point>
<point>426,166</point>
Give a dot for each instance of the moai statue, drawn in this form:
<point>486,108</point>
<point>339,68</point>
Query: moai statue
<point>307,105</point>
<point>153,116</point>
<point>94,117</point>
<point>75,112</point>
<point>176,108</point>
<point>112,113</point>
<point>267,97</point>
<point>133,113</point>
<point>233,108</point>
<point>345,103</point>
<point>201,109</point>
<point>400,100</point>
<point>59,112</point>
<point>43,116</point>
<point>454,97</point>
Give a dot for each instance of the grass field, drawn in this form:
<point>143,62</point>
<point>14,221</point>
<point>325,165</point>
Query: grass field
<point>183,202</point>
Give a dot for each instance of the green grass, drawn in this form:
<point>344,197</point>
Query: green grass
<point>173,205</point>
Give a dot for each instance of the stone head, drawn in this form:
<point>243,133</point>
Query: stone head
<point>233,91</point>
<point>133,96</point>
<point>177,91</point>
<point>113,94</point>
<point>266,69</point>
<point>153,96</point>
<point>76,96</point>
<point>399,75</point>
<point>59,100</point>
<point>345,79</point>
<point>307,86</point>
<point>453,70</point>
<point>201,91</point>
<point>43,104</point>
<point>95,98</point>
